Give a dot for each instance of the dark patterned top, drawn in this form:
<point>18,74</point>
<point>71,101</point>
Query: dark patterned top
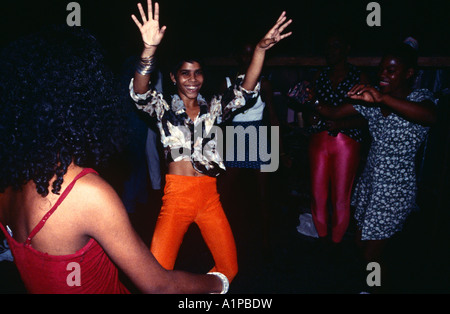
<point>385,192</point>
<point>326,94</point>
<point>195,141</point>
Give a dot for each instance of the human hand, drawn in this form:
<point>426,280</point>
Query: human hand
<point>275,33</point>
<point>151,33</point>
<point>365,93</point>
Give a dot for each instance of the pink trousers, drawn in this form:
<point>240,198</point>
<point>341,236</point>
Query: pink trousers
<point>334,162</point>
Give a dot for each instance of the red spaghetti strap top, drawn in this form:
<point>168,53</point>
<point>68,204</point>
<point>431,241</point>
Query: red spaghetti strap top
<point>88,270</point>
<point>61,198</point>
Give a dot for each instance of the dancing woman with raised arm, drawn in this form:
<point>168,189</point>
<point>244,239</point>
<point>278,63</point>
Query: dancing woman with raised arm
<point>190,194</point>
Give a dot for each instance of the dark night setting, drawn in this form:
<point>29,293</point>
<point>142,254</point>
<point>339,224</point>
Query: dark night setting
<point>357,104</point>
<point>215,27</point>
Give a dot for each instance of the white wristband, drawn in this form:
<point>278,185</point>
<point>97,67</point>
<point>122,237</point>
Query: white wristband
<point>224,279</point>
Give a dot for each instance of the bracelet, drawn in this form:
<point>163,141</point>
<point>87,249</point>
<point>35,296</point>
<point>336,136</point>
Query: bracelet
<point>145,66</point>
<point>225,282</point>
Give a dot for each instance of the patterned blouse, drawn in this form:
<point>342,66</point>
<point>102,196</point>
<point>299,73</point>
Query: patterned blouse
<point>327,94</point>
<point>385,193</point>
<point>195,141</point>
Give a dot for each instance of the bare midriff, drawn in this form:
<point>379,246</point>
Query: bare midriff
<point>183,168</point>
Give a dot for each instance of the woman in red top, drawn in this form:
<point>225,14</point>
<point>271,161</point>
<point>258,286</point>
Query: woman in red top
<point>66,226</point>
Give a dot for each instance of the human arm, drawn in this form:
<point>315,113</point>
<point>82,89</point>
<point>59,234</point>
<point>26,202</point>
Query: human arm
<point>148,100</point>
<point>105,220</point>
<point>330,112</point>
<point>151,35</point>
<point>423,112</point>
<point>268,41</point>
<point>243,94</point>
<point>352,120</point>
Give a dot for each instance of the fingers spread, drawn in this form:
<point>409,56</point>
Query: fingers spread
<point>150,9</point>
<point>141,11</point>
<point>136,21</point>
<point>156,15</point>
<point>282,27</point>
<point>281,16</point>
<point>285,35</point>
<point>279,22</point>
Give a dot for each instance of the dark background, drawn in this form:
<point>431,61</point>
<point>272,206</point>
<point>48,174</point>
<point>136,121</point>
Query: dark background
<point>213,28</point>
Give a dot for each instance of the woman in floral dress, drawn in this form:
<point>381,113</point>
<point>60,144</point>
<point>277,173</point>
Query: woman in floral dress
<point>399,119</point>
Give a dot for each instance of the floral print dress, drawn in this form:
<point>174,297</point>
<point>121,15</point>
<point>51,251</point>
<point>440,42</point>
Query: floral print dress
<point>385,193</point>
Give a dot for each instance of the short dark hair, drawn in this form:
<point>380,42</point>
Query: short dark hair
<point>406,54</point>
<point>58,105</point>
<point>179,61</point>
<point>176,63</point>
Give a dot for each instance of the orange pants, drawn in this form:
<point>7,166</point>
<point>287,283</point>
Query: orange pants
<point>194,199</point>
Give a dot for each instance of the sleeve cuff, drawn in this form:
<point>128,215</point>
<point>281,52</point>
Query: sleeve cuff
<point>137,98</point>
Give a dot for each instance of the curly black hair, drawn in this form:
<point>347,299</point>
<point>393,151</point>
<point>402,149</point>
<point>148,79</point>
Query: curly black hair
<point>58,105</point>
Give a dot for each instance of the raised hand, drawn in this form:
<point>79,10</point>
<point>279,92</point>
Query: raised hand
<point>151,33</point>
<point>268,41</point>
<point>365,93</point>
<point>275,33</point>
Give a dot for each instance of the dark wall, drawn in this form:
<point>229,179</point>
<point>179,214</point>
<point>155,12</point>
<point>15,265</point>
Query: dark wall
<point>215,27</point>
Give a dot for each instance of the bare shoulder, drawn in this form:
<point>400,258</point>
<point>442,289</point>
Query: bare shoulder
<point>93,204</point>
<point>104,217</point>
<point>96,194</point>
<point>93,183</point>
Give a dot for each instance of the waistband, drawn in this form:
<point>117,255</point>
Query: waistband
<point>187,179</point>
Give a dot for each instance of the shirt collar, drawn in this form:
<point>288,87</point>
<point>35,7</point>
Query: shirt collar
<point>179,108</point>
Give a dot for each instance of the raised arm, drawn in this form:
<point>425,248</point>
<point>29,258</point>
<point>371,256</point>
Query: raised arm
<point>418,112</point>
<point>345,112</point>
<point>268,41</point>
<point>152,35</point>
